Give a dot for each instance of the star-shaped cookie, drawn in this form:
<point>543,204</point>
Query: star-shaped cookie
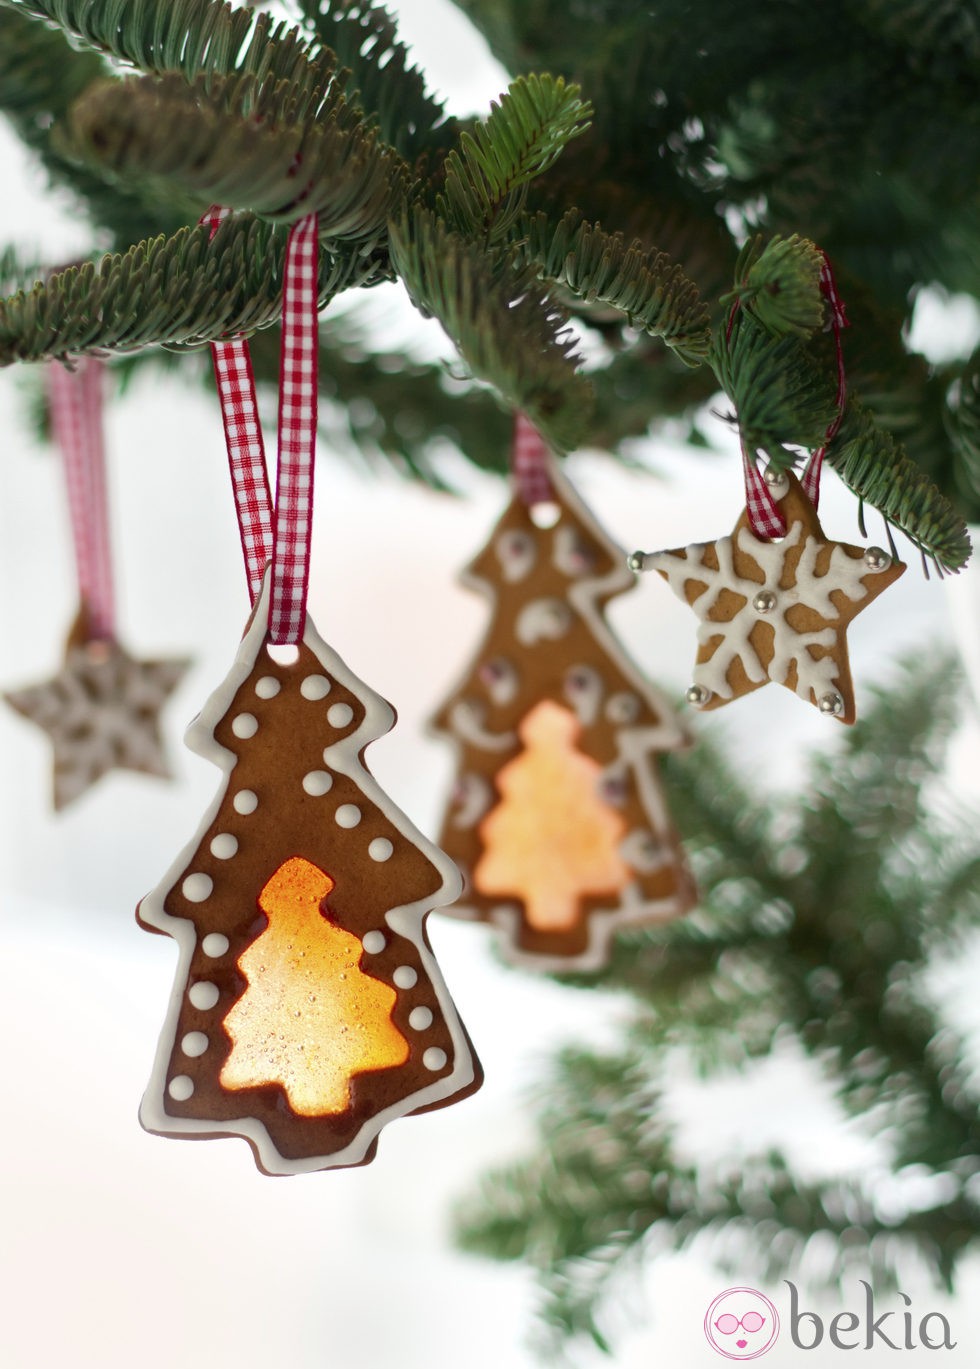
<point>102,713</point>
<point>775,610</point>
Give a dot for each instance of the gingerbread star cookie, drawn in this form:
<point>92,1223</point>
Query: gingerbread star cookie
<point>102,713</point>
<point>775,610</point>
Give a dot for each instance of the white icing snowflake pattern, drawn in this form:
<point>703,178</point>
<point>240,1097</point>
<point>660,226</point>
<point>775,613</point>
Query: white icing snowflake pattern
<point>815,676</point>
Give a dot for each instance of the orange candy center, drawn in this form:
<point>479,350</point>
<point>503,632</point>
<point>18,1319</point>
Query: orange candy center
<point>310,1018</point>
<point>551,840</point>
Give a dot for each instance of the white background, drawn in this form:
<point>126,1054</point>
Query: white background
<point>120,1249</point>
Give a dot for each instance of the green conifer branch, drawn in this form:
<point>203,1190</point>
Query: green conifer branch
<point>874,466</point>
<point>188,37</point>
<point>522,137</point>
<point>502,322</point>
<point>243,143</point>
<point>597,267</point>
<point>382,83</point>
<point>778,283</point>
<point>172,291</point>
<point>781,399</point>
<point>40,76</point>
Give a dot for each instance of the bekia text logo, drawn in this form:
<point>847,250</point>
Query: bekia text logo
<point>743,1324</point>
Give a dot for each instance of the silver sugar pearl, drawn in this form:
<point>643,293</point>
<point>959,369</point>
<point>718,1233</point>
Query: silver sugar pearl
<point>697,696</point>
<point>635,560</point>
<point>776,480</point>
<point>832,704</point>
<point>764,601</point>
<point>876,559</point>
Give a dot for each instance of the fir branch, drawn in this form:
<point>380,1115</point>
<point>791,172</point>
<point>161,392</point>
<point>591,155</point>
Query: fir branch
<point>40,75</point>
<point>244,143</point>
<point>778,283</point>
<point>190,38</point>
<point>522,137</point>
<point>16,272</point>
<point>505,327</point>
<point>874,466</point>
<point>597,267</point>
<point>781,399</point>
<point>179,290</point>
<point>382,83</point>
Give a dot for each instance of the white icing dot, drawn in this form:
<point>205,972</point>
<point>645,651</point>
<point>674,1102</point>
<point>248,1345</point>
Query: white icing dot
<point>203,994</point>
<point>373,942</point>
<point>434,1058</point>
<point>196,888</point>
<point>181,1087</point>
<point>347,815</point>
<point>380,849</point>
<point>268,687</point>
<point>224,846</point>
<point>214,944</point>
<point>245,725</point>
<point>245,801</point>
<point>339,715</point>
<point>420,1018</point>
<point>315,687</point>
<point>194,1043</point>
<point>405,977</point>
<point>317,782</point>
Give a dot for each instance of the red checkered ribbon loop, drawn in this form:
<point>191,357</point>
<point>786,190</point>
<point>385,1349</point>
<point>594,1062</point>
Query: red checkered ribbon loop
<point>764,515</point>
<point>529,462</point>
<point>75,398</point>
<point>838,321</point>
<point>278,533</point>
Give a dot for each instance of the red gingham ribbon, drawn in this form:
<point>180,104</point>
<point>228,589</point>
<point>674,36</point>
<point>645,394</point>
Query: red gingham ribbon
<point>810,479</point>
<point>764,515</point>
<point>529,461</point>
<point>75,397</point>
<point>280,534</point>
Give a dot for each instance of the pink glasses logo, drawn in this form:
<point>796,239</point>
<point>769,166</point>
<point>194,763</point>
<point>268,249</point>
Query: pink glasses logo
<point>741,1324</point>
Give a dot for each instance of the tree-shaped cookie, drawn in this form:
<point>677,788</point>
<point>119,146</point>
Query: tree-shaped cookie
<point>557,817</point>
<point>308,1009</point>
<point>775,610</point>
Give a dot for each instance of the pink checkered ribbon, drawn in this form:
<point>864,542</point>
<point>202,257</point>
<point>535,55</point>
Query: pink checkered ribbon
<point>297,434</point>
<point>765,516</point>
<point>75,397</point>
<point>278,534</point>
<point>529,462</point>
<point>810,479</point>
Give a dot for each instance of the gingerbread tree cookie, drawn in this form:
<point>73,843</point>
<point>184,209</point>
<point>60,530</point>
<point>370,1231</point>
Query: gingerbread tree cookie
<point>308,1009</point>
<point>557,817</point>
<point>775,610</point>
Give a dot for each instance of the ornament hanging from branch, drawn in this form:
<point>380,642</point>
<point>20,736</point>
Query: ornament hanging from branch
<point>102,710</point>
<point>308,1008</point>
<point>775,610</point>
<point>557,818</point>
<point>775,598</point>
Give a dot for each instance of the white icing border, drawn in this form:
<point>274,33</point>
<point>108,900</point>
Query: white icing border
<point>406,919</point>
